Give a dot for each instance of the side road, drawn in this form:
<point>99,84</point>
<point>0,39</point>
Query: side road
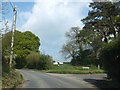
<point>35,79</point>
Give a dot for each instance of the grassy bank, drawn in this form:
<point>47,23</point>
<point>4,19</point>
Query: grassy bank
<point>69,69</point>
<point>75,71</point>
<point>11,80</point>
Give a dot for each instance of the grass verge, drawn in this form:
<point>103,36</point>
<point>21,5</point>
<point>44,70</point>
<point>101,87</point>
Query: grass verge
<point>11,80</point>
<point>75,71</point>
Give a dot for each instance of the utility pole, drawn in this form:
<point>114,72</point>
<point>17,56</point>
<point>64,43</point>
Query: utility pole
<point>13,30</point>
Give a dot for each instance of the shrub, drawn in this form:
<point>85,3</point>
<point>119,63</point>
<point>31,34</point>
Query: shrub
<point>45,62</point>
<point>32,60</point>
<point>5,65</point>
<point>37,61</point>
<point>20,62</point>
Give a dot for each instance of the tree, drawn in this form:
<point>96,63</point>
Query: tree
<point>101,23</point>
<point>101,19</point>
<point>69,50</point>
<point>25,43</point>
<point>84,49</point>
<point>77,47</point>
<point>110,56</point>
<point>3,57</point>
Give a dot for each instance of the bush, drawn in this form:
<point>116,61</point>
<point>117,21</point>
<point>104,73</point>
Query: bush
<point>37,61</point>
<point>110,56</point>
<point>32,60</point>
<point>45,62</point>
<point>84,61</point>
<point>84,58</point>
<point>5,65</point>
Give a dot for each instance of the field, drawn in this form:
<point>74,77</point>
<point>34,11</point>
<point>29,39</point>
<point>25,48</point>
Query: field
<point>69,69</point>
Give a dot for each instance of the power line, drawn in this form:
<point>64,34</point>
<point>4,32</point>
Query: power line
<point>11,4</point>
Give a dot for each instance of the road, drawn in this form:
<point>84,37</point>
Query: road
<point>35,79</point>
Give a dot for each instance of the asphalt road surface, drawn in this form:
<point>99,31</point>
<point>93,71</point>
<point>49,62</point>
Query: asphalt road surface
<point>34,79</point>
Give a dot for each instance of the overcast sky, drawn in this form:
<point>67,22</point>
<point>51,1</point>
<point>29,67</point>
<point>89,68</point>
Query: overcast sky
<point>49,20</point>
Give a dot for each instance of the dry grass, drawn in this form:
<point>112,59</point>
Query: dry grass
<point>11,80</point>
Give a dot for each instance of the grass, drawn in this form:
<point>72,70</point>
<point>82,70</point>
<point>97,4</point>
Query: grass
<point>11,80</point>
<point>69,69</point>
